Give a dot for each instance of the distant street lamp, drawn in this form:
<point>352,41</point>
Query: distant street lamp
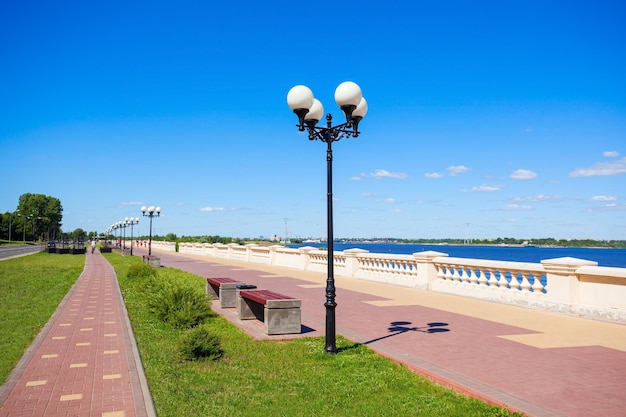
<point>150,212</point>
<point>131,222</point>
<point>115,227</point>
<point>10,220</point>
<point>23,226</point>
<point>123,233</point>
<point>309,110</point>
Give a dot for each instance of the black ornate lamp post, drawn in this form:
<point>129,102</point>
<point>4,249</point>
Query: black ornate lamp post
<point>118,234</point>
<point>150,212</point>
<point>123,224</point>
<point>131,222</point>
<point>309,111</point>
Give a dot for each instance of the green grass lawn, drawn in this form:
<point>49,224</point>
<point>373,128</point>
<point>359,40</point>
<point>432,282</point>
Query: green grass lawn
<point>288,378</point>
<point>31,288</point>
<point>276,378</point>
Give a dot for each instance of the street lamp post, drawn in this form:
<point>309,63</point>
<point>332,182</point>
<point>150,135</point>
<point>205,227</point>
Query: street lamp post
<point>150,212</point>
<point>10,221</point>
<point>309,110</point>
<point>131,222</point>
<point>123,225</point>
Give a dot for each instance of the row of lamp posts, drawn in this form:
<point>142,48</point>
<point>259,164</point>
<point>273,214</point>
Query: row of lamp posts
<point>121,226</point>
<point>26,218</point>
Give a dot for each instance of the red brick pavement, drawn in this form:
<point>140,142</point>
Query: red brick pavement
<point>84,362</point>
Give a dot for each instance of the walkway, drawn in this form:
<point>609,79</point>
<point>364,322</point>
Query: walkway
<point>543,364</point>
<point>84,362</point>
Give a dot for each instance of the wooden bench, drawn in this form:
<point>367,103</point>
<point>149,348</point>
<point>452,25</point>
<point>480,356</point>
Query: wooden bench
<point>279,313</point>
<point>223,289</point>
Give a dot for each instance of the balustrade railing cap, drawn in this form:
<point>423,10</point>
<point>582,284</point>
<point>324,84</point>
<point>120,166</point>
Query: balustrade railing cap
<point>428,254</point>
<point>305,249</point>
<point>566,265</point>
<point>354,251</point>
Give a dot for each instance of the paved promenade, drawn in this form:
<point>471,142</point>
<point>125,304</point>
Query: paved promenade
<point>542,364</point>
<point>84,362</point>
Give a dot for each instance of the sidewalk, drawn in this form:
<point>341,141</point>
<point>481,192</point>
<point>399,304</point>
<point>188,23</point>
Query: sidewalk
<point>539,363</point>
<point>84,362</point>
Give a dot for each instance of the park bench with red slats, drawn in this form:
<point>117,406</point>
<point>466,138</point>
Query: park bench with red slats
<point>280,313</point>
<point>224,289</point>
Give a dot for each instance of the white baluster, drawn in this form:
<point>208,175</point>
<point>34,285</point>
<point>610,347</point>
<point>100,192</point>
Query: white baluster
<point>525,285</point>
<point>482,279</point>
<point>537,285</point>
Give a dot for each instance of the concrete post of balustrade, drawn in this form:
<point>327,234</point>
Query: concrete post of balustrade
<point>249,247</point>
<point>352,261</point>
<point>273,254</point>
<point>426,270</point>
<point>562,285</point>
<point>306,257</point>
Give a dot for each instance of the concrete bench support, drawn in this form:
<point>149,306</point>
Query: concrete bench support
<point>223,289</point>
<point>152,260</point>
<point>280,313</point>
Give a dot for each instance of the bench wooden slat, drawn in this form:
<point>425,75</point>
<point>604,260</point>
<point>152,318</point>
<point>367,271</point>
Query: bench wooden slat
<point>219,281</point>
<point>262,296</point>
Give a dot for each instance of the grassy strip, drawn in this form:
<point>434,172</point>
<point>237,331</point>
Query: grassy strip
<point>271,378</point>
<point>31,288</point>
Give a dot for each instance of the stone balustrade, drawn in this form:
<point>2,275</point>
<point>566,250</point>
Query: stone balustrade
<point>566,285</point>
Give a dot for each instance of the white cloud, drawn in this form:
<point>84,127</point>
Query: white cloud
<point>131,203</point>
<point>535,199</point>
<point>381,173</point>
<point>211,209</point>
<point>518,207</point>
<point>483,188</point>
<point>433,175</point>
<point>602,169</point>
<point>390,200</point>
<point>523,174</point>
<point>603,198</point>
<point>610,154</point>
<point>457,169</point>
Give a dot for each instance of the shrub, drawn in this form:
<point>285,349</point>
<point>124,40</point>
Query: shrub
<point>141,271</point>
<point>180,305</point>
<point>198,343</point>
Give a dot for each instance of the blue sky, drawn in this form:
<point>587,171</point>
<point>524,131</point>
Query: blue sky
<point>486,119</point>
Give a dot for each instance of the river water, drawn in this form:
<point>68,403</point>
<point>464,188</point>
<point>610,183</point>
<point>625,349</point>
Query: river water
<point>604,257</point>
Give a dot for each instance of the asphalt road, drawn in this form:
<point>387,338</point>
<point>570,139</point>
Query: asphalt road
<point>13,251</point>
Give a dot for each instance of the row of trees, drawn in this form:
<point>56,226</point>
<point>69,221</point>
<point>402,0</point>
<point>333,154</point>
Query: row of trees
<point>37,217</point>
<point>566,243</point>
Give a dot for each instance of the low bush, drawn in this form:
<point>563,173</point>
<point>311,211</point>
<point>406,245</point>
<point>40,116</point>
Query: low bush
<point>199,343</point>
<point>141,271</point>
<point>180,305</point>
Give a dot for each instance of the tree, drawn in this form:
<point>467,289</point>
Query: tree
<point>40,215</point>
<point>78,234</point>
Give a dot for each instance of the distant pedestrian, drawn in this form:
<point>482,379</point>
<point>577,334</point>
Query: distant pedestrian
<point>93,246</point>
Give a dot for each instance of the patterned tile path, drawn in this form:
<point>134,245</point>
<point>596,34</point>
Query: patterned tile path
<point>84,362</point>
